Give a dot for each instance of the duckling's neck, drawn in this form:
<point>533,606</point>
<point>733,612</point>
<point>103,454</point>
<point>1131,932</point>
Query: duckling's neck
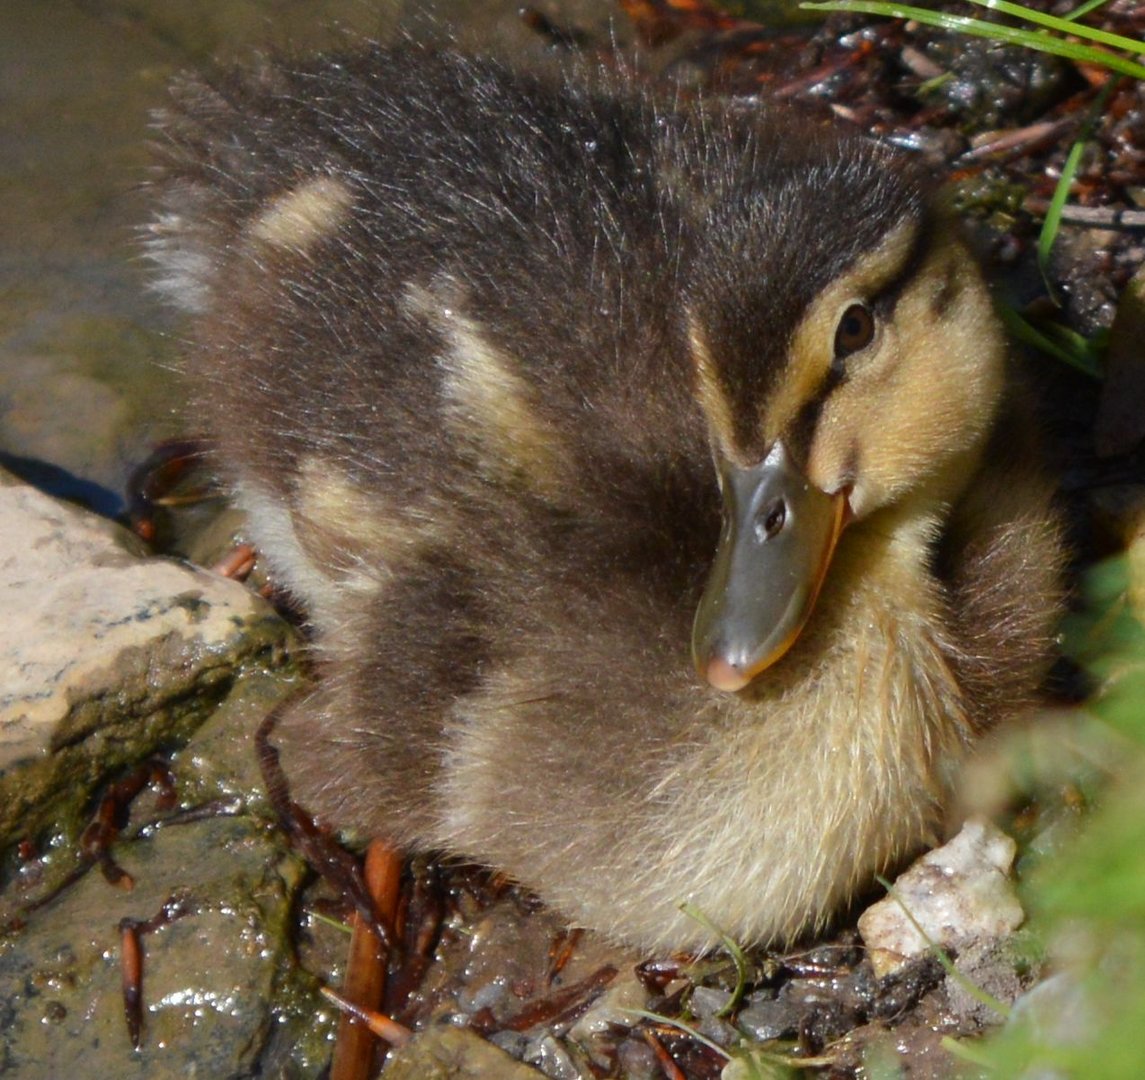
<point>886,559</point>
<point>889,554</point>
<point>881,646</point>
<point>865,702</point>
<point>883,577</point>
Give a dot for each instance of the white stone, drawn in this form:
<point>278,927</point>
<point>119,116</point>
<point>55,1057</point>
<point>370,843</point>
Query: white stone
<point>958,892</point>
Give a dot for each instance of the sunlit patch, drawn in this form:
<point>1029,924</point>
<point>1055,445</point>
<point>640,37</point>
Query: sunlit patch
<point>353,532</point>
<point>298,218</point>
<point>199,1002</point>
<point>185,267</point>
<point>495,406</point>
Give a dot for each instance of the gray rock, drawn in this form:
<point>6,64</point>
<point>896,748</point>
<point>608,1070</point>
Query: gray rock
<point>553,1059</point>
<point>706,1002</point>
<point>617,1007</point>
<point>770,1018</point>
<point>104,654</point>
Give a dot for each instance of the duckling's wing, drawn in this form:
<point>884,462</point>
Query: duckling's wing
<point>421,281</point>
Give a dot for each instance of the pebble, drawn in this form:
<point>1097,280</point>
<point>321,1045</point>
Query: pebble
<point>959,892</point>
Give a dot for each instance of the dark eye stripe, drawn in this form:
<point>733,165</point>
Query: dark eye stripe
<point>801,432</point>
<point>948,291</point>
<point>799,435</point>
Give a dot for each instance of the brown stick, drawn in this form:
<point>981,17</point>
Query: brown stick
<point>324,854</point>
<point>131,933</point>
<point>237,563</point>
<point>561,951</point>
<point>562,1004</point>
<point>385,1027</point>
<point>365,981</point>
<point>131,972</point>
<point>671,1070</point>
<point>1100,217</point>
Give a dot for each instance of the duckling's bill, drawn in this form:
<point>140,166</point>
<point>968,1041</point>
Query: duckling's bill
<point>779,536</point>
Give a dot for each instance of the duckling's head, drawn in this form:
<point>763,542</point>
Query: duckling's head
<point>860,371</point>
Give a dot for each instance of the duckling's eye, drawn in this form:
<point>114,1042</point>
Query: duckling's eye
<point>855,331</point>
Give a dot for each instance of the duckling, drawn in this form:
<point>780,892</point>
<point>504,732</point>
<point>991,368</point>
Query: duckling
<point>647,466</point>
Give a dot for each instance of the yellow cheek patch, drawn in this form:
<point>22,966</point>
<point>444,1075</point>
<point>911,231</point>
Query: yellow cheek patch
<point>917,409</point>
<point>295,220</point>
<point>492,403</point>
<point>813,343</point>
<point>712,397</point>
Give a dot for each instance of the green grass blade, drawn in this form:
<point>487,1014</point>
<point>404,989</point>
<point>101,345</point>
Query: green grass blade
<point>739,958</point>
<point>1093,347</point>
<point>1052,223</point>
<point>326,920</point>
<point>964,1052</point>
<point>1025,331</point>
<point>1008,35</point>
<point>1084,9</point>
<point>1063,26</point>
<point>1050,226</point>
<point>680,1025</point>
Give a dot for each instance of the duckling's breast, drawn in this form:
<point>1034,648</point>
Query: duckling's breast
<point>592,763</point>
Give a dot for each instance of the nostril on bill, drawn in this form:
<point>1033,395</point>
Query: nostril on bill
<point>771,519</point>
